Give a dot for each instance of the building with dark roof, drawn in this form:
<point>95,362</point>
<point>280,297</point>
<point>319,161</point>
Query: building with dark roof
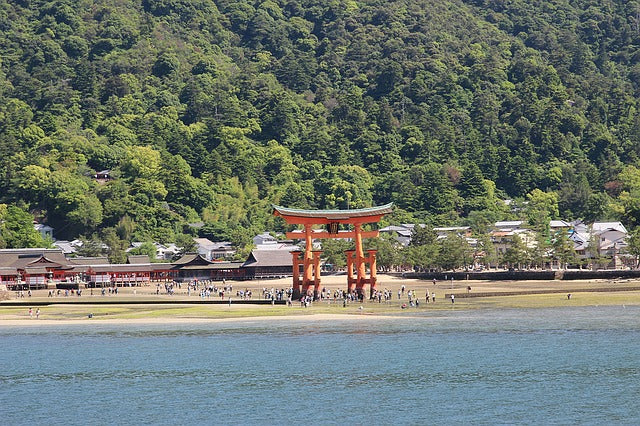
<point>38,268</point>
<point>194,266</point>
<point>268,264</point>
<point>34,268</point>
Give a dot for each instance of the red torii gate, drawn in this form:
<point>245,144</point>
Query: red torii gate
<point>311,258</point>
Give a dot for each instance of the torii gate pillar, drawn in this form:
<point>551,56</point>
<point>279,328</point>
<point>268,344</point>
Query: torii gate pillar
<point>355,282</point>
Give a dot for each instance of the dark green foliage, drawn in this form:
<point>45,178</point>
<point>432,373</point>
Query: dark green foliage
<point>16,228</point>
<point>208,111</point>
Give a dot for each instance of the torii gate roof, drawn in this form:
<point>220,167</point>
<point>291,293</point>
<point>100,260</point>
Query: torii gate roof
<point>367,215</point>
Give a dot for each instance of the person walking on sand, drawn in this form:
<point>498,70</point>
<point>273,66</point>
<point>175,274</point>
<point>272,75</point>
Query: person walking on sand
<point>453,298</point>
<point>30,312</point>
<point>433,297</point>
<point>37,313</point>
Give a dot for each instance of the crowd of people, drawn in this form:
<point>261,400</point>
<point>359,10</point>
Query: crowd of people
<point>206,289</point>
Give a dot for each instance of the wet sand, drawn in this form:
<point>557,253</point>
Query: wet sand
<point>336,282</point>
<point>65,311</point>
<point>310,318</point>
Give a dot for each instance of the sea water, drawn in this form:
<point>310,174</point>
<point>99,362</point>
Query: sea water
<point>538,366</point>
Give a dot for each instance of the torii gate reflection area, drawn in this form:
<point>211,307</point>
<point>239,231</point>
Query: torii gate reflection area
<point>310,259</point>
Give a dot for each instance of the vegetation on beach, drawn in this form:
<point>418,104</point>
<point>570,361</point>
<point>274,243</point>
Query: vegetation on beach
<point>393,308</point>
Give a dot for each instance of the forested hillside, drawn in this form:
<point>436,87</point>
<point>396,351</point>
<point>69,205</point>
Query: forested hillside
<point>205,112</point>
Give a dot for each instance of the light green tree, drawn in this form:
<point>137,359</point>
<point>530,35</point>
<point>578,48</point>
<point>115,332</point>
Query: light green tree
<point>455,252</point>
<point>16,229</point>
<point>146,248</point>
<point>562,249</point>
<point>541,208</point>
<point>633,247</point>
<point>486,247</point>
<point>539,251</point>
<point>515,256</point>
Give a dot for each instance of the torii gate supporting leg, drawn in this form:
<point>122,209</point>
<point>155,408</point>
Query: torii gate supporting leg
<point>360,265</point>
<point>351,281</point>
<point>373,278</point>
<point>296,275</point>
<point>308,260</point>
<point>316,270</point>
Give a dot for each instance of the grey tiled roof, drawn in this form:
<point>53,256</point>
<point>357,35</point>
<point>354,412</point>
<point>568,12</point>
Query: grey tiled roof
<point>270,258</point>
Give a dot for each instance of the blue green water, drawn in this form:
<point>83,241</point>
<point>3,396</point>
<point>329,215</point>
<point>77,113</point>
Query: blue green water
<point>555,366</point>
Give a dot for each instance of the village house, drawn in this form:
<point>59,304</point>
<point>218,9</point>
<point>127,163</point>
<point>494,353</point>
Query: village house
<point>560,226</point>
<point>580,236</point>
<point>401,232</point>
<point>508,225</point>
<point>266,241</point>
<point>69,248</point>
<point>166,251</point>
<point>214,250</point>
<point>103,176</point>
<point>611,238</point>
<point>444,232</point>
<point>46,232</point>
<point>163,252</point>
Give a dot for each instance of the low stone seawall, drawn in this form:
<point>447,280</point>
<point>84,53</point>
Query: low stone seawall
<point>522,275</point>
<point>547,291</point>
<point>606,275</point>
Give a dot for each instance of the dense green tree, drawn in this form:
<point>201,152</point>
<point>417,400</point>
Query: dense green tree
<point>16,229</point>
<point>633,247</point>
<point>538,251</point>
<point>333,252</point>
<point>186,243</point>
<point>90,247</point>
<point>388,252</point>
<point>422,252</point>
<point>454,253</point>
<point>473,190</point>
<point>209,111</point>
<point>515,256</point>
<point>147,249</point>
<point>117,246</point>
<point>486,251</point>
<point>562,249</point>
<point>541,208</point>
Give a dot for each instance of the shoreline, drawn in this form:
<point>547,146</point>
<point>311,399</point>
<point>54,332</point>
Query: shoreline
<point>141,305</point>
<point>311,317</point>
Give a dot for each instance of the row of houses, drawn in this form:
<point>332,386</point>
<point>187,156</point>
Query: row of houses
<point>210,250</point>
<point>599,239</point>
<point>50,268</point>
